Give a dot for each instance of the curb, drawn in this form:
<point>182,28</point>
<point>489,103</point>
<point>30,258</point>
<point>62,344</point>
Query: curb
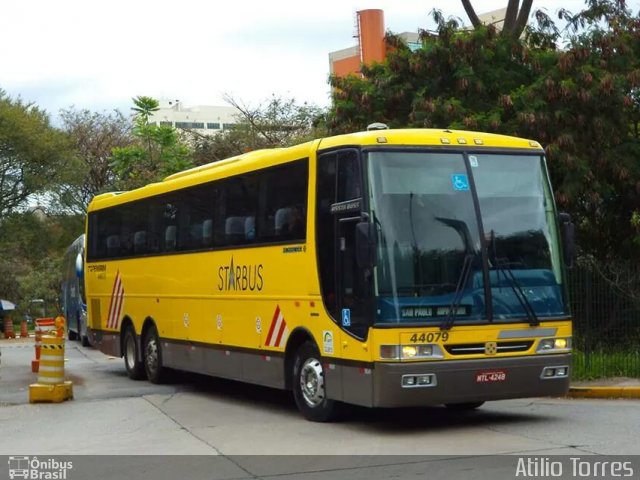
<point>604,392</point>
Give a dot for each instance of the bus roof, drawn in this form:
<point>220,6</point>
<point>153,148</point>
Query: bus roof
<point>429,137</point>
<point>270,157</point>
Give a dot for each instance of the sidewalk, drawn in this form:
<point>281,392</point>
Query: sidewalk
<point>617,387</point>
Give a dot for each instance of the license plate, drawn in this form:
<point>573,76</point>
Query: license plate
<point>491,376</point>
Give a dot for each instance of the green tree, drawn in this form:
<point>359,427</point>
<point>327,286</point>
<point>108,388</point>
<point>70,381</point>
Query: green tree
<point>34,156</point>
<point>580,101</point>
<point>93,136</point>
<point>515,18</point>
<point>157,150</point>
<point>32,248</point>
<point>276,122</point>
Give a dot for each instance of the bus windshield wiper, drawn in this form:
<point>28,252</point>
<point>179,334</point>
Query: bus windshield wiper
<point>462,229</point>
<point>502,265</point>
<point>459,292</point>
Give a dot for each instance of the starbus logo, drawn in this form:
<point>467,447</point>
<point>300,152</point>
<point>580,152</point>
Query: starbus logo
<point>35,469</point>
<point>240,277</point>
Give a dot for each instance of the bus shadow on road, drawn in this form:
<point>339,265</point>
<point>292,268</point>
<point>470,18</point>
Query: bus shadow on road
<point>371,419</point>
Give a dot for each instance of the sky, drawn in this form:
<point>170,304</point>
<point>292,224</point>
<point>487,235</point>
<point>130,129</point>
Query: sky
<point>98,55</point>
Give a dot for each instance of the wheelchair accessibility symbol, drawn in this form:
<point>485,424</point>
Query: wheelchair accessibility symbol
<point>460,182</point>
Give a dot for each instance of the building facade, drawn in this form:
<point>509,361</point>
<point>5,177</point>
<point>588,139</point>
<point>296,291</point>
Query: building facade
<point>204,119</point>
<point>371,47</point>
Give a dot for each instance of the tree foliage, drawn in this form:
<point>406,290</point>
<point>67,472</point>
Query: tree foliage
<point>34,156</point>
<point>581,101</point>
<point>277,122</point>
<point>515,18</point>
<point>93,136</point>
<point>32,249</point>
<point>157,150</point>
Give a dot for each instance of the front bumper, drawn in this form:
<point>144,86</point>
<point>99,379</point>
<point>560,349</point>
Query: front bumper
<point>456,381</point>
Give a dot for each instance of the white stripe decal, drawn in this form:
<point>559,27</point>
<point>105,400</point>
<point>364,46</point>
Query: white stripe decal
<point>116,318</point>
<point>276,331</point>
<point>117,299</point>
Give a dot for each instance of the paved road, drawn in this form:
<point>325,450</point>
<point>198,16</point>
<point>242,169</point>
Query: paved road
<point>199,415</point>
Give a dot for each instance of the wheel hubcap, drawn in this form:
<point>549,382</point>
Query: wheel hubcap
<point>152,355</point>
<point>312,382</point>
<point>131,352</point>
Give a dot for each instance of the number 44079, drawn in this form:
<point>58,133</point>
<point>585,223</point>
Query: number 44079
<point>429,337</point>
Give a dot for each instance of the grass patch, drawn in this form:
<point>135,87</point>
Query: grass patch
<point>605,364</point>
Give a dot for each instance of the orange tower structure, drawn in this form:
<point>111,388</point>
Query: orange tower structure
<point>371,46</point>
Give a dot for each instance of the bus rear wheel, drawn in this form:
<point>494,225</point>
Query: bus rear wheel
<point>135,368</point>
<point>152,353</point>
<point>309,389</point>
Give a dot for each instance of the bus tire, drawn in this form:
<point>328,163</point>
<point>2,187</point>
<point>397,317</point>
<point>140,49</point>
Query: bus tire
<point>85,341</point>
<point>463,407</point>
<point>152,355</point>
<point>71,335</point>
<point>135,368</point>
<point>308,385</point>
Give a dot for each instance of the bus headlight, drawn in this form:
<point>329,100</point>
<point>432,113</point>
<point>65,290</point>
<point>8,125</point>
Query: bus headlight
<point>554,345</point>
<point>390,352</point>
<point>409,352</point>
<point>413,351</point>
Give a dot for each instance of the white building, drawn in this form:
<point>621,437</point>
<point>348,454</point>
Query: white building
<point>203,119</point>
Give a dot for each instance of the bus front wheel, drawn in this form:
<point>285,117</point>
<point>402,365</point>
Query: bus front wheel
<point>135,368</point>
<point>152,353</point>
<point>309,390</point>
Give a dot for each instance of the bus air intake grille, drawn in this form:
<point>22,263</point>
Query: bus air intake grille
<point>479,348</point>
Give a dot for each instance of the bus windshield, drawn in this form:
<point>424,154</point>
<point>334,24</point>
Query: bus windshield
<point>432,264</point>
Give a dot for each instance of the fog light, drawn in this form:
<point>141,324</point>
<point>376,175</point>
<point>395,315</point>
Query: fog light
<point>408,381</point>
<point>562,372</point>
<point>419,380</point>
<point>549,372</point>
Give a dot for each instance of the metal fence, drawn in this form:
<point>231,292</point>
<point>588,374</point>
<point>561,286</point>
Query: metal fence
<point>605,303</point>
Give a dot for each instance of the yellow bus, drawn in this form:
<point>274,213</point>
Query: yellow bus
<point>383,268</point>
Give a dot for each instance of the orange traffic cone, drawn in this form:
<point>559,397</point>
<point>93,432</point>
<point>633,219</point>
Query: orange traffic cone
<point>24,333</point>
<point>8,328</point>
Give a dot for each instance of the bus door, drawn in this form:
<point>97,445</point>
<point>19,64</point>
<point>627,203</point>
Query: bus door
<point>345,286</point>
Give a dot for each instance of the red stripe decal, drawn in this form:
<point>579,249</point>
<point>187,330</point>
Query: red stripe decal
<point>273,324</point>
<point>113,292</point>
<point>116,319</point>
<point>116,304</point>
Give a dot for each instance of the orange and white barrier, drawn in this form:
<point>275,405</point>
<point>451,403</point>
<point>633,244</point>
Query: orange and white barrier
<point>51,369</point>
<point>43,326</point>
<point>51,385</point>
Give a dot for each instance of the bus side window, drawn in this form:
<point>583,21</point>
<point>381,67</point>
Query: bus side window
<point>140,242</point>
<point>170,238</point>
<point>113,245</point>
